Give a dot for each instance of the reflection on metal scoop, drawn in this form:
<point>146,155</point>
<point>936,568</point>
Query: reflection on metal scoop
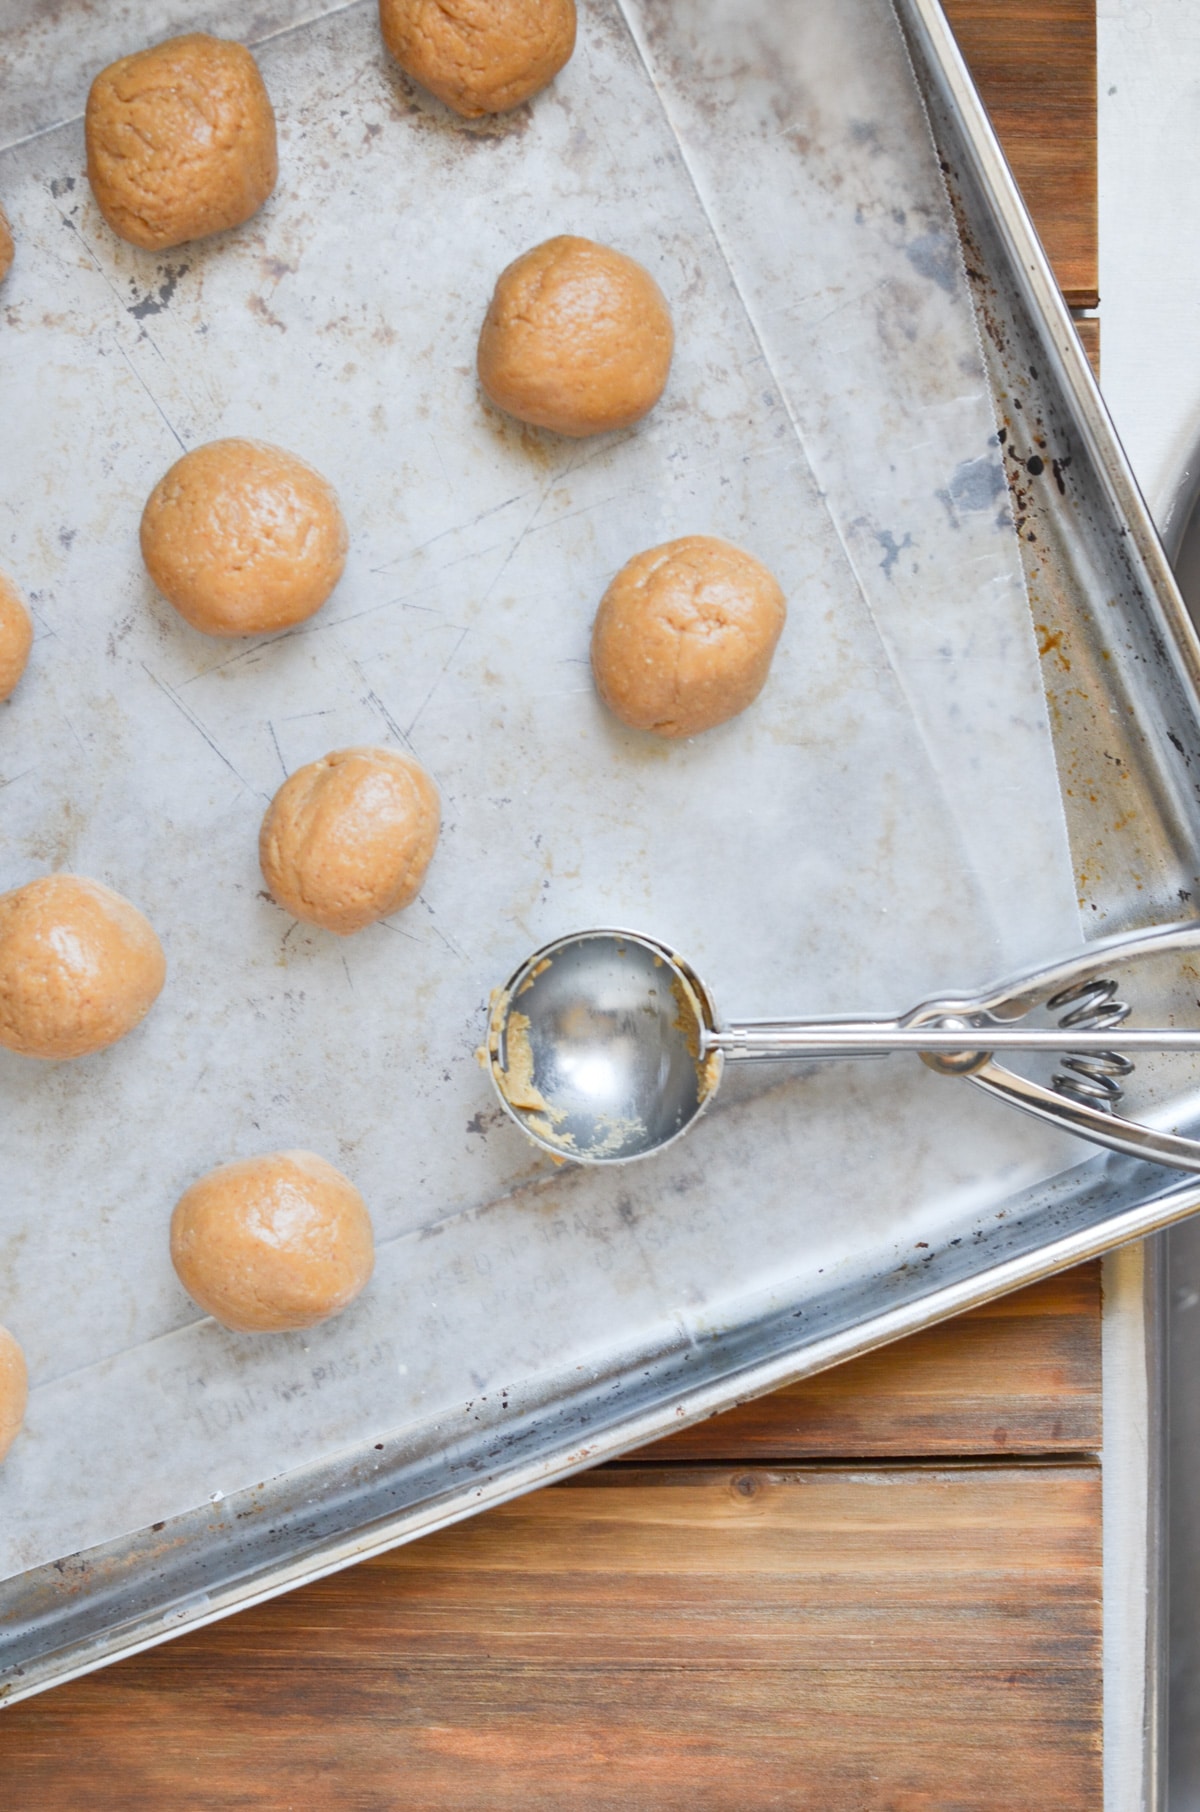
<point>599,1047</point>
<point>606,1045</point>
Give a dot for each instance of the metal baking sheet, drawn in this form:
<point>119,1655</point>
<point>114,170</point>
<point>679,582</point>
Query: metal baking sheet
<point>526,1321</point>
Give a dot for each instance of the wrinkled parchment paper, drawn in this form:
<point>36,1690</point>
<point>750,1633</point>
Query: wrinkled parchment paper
<point>884,823</point>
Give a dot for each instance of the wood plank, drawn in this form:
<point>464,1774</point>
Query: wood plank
<point>1088,330</point>
<point>820,1640</point>
<point>1034,62</point>
<point>1021,1375</point>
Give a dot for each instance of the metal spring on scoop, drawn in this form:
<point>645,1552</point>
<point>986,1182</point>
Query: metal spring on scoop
<point>1094,1078</point>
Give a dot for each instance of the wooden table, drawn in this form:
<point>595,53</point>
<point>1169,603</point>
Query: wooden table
<point>877,1589</point>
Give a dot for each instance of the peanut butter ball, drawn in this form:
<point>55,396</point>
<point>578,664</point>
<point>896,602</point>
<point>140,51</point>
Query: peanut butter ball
<point>577,338</point>
<point>347,839</point>
<point>684,636</point>
<point>272,1243</point>
<point>180,141</point>
<point>14,1390</point>
<point>16,636</point>
<point>6,246</point>
<point>480,56</point>
<point>79,967</point>
<point>242,538</point>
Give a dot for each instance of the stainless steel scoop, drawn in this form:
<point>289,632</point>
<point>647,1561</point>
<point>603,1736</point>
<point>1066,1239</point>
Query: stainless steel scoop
<point>606,1045</point>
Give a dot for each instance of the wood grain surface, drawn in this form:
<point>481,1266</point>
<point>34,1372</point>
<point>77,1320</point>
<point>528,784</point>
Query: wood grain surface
<point>819,1640</point>
<point>1021,1375</point>
<point>1088,330</point>
<point>1034,63</point>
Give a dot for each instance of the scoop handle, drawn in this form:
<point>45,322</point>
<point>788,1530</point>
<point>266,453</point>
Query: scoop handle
<point>878,1038</point>
<point>1129,1136</point>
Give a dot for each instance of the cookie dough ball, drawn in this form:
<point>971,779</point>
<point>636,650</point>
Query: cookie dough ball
<point>272,1243</point>
<point>6,246</point>
<point>480,56</point>
<point>16,636</point>
<point>180,141</point>
<point>347,839</point>
<point>577,338</point>
<point>242,537</point>
<point>684,636</point>
<point>79,967</point>
<point>14,1390</point>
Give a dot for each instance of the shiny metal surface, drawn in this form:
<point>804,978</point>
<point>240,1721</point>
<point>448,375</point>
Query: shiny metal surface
<point>605,1046</point>
<point>1121,665</point>
<point>1180,1460</point>
<point>1178,1326</point>
<point>1096,1078</point>
<point>597,1047</point>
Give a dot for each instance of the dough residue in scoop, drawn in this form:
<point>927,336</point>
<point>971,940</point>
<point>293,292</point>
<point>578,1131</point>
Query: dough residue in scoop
<point>516,1077</point>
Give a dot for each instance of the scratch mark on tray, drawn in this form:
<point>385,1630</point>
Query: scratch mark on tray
<point>278,750</point>
<point>437,682</point>
<point>196,725</point>
<point>372,610</point>
<point>602,503</point>
<point>349,982</point>
<point>406,600</point>
<point>471,553</point>
<point>98,266</point>
<point>580,460</point>
<point>400,932</point>
<point>442,463</point>
<point>29,138</point>
<point>13,781</point>
<point>555,478</point>
<point>449,942</point>
<point>372,698</point>
<point>288,31</point>
<point>456,529</point>
<point>245,654</point>
<point>167,422</point>
<point>797,311</point>
<point>75,733</point>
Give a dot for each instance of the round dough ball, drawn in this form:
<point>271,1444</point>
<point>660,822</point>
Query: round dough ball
<point>347,840</point>
<point>577,338</point>
<point>16,636</point>
<point>14,1390</point>
<point>272,1243</point>
<point>6,246</point>
<point>480,56</point>
<point>180,141</point>
<point>79,967</point>
<point>684,636</point>
<point>242,537</point>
